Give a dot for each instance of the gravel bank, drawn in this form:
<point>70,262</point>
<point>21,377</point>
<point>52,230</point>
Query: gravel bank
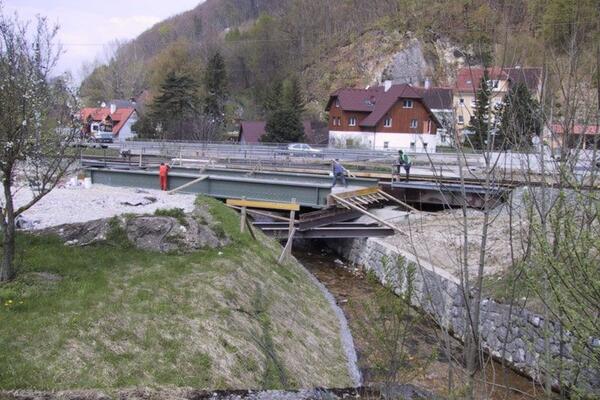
<point>77,204</point>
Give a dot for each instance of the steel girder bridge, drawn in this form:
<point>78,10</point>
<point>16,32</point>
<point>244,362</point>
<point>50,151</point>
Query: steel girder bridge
<point>332,209</point>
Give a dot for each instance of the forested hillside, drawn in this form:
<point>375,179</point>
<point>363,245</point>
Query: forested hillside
<point>328,44</point>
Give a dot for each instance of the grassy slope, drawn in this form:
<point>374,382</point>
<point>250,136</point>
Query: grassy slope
<point>121,317</point>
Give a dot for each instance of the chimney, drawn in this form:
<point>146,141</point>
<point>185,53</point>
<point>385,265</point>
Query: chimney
<point>113,108</point>
<point>427,83</point>
<point>387,85</point>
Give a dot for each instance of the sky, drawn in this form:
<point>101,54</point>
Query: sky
<point>86,28</point>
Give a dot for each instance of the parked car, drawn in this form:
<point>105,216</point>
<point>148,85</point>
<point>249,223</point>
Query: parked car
<point>303,150</point>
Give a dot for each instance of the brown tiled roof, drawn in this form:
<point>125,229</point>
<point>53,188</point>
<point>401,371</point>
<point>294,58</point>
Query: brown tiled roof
<point>386,100</point>
<point>529,76</point>
<point>468,78</point>
<point>251,131</point>
<point>355,99</point>
<point>437,98</point>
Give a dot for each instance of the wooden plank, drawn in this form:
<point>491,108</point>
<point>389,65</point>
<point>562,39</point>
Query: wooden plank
<point>276,217</point>
<point>264,204</point>
<point>376,218</point>
<point>243,220</point>
<point>200,179</point>
<point>250,229</point>
<point>288,247</point>
<point>359,192</point>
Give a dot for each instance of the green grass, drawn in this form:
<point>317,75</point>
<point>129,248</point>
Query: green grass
<point>111,316</point>
<point>176,213</point>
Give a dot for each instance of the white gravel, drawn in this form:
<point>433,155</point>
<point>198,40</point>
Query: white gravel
<point>77,204</point>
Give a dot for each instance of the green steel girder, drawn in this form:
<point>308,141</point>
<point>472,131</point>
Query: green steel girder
<point>316,179</point>
<point>305,192</point>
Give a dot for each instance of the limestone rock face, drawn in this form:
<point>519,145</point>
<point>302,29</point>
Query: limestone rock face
<point>147,232</point>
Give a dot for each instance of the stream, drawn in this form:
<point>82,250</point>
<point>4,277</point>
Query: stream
<point>426,364</point>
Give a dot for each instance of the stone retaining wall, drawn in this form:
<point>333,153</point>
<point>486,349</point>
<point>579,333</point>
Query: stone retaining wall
<point>515,335</point>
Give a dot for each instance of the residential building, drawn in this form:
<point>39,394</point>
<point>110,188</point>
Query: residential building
<point>501,80</point>
<point>572,136</point>
<point>117,120</point>
<point>388,116</point>
<point>252,131</point>
<point>439,101</point>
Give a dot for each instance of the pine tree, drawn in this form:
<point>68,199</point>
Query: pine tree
<point>215,83</point>
<point>177,101</point>
<point>480,122</point>
<point>520,117</point>
<point>285,106</point>
<point>274,97</point>
<point>292,96</point>
<point>283,126</point>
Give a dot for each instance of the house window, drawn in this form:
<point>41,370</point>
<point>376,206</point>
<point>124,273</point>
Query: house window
<point>386,145</point>
<point>461,101</point>
<point>414,123</point>
<point>425,145</point>
<point>408,104</point>
<point>387,122</point>
<point>461,119</point>
<point>337,103</point>
<point>412,146</point>
<point>352,121</point>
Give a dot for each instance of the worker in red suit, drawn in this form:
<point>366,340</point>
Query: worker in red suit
<point>163,173</point>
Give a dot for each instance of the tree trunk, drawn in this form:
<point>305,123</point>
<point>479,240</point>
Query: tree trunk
<point>7,270</point>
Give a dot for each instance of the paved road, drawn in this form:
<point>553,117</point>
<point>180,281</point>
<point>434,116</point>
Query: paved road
<point>279,153</point>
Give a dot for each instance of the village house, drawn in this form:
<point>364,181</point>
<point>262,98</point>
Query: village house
<point>501,80</point>
<point>117,118</point>
<point>572,136</point>
<point>388,116</point>
<point>251,132</point>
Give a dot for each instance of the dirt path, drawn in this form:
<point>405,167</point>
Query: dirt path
<point>428,366</point>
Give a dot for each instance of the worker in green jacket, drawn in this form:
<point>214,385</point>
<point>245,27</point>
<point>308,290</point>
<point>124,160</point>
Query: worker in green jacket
<point>404,161</point>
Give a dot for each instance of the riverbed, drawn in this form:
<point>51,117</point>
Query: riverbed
<point>429,358</point>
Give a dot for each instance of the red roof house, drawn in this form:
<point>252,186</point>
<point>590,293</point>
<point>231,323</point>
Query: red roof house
<point>118,121</point>
<point>398,116</point>
<point>469,78</point>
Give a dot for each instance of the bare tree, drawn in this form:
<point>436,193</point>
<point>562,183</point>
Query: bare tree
<point>36,121</point>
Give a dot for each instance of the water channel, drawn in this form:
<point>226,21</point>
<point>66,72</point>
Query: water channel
<point>424,360</point>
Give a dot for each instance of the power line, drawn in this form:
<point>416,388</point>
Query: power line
<point>447,31</point>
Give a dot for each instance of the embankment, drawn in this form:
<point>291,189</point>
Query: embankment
<point>509,333</point>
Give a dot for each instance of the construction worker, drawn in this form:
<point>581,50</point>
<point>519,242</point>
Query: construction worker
<point>404,161</point>
<point>338,171</point>
<point>163,173</point>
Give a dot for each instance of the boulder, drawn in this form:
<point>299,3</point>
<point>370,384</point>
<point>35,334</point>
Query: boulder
<point>146,232</point>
